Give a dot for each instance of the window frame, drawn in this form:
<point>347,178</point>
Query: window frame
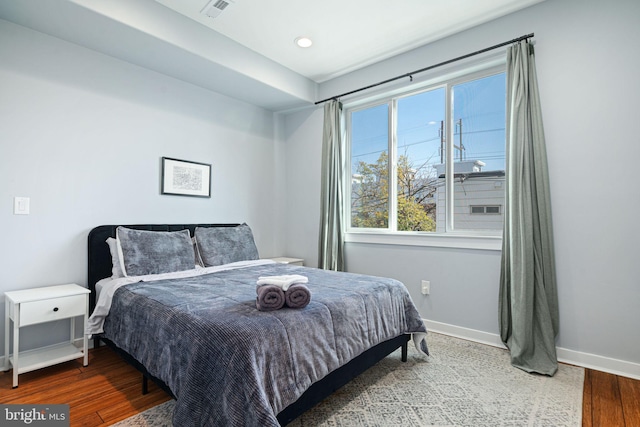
<point>450,238</point>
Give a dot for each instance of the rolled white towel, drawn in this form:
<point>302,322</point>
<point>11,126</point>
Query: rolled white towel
<point>283,281</point>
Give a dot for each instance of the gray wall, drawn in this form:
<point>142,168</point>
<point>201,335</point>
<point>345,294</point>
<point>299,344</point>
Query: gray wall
<point>82,135</point>
<point>587,61</point>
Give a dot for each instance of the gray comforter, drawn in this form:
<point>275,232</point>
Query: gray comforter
<point>229,364</point>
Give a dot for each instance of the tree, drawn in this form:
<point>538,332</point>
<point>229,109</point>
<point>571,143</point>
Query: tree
<point>370,195</point>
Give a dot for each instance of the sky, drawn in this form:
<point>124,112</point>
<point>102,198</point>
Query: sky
<point>479,104</point>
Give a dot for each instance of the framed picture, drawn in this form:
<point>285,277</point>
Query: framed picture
<point>185,178</point>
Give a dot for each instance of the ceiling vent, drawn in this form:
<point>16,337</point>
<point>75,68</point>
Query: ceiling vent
<point>215,7</point>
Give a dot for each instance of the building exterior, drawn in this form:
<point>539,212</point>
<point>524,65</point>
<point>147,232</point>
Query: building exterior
<point>478,197</point>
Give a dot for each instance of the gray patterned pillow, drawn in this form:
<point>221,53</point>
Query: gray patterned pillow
<point>154,252</point>
<point>222,245</point>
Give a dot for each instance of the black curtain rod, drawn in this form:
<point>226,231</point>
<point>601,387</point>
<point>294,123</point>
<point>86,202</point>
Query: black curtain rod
<point>410,75</point>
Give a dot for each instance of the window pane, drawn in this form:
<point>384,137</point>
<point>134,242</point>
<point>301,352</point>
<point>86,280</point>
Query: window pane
<point>370,167</point>
<point>420,148</point>
<point>479,151</point>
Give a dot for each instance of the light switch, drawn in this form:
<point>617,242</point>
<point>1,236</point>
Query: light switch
<point>21,205</point>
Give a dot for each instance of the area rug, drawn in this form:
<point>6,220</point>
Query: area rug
<point>462,383</point>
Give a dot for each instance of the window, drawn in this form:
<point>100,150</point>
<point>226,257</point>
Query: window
<point>485,210</point>
<point>430,161</point>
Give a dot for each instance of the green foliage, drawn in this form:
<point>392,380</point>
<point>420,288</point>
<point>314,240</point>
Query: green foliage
<point>369,208</point>
<point>370,196</point>
<point>413,217</point>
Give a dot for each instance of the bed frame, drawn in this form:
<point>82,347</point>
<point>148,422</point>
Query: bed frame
<point>99,267</point>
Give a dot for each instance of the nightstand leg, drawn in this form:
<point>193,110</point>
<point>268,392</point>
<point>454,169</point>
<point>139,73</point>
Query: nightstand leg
<point>72,332</point>
<point>16,343</point>
<point>7,318</point>
<point>85,337</point>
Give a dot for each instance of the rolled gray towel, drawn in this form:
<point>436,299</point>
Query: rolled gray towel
<point>270,297</point>
<point>297,296</point>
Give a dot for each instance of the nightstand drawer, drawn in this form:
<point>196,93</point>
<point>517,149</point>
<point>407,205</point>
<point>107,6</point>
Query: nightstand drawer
<point>52,309</point>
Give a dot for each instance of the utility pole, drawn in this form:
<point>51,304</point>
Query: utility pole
<point>460,145</point>
<point>441,141</point>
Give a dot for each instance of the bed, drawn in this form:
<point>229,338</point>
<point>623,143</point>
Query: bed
<point>202,339</point>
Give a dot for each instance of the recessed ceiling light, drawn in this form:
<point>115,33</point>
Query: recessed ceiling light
<point>303,41</point>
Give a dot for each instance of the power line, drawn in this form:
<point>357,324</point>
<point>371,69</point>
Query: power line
<point>425,141</point>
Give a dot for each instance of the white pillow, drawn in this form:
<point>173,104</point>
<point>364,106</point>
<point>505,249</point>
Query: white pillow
<point>116,269</point>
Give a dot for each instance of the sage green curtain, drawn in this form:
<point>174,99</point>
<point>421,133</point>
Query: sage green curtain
<point>331,250</point>
<point>528,302</point>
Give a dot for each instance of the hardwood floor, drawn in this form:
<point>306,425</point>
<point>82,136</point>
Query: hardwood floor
<point>610,400</point>
<point>105,392</point>
<point>109,390</point>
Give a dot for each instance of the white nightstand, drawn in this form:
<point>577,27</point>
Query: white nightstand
<point>40,305</point>
<point>287,260</point>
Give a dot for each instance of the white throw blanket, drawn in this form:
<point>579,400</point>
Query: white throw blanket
<point>282,281</point>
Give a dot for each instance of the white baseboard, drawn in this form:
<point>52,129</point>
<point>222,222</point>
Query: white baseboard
<point>464,333</point>
<point>572,357</point>
<point>599,363</point>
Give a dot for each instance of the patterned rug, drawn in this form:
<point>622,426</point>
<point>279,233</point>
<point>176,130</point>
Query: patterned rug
<point>462,383</point>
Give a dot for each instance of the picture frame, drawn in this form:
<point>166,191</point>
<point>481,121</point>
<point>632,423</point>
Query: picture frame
<point>185,178</point>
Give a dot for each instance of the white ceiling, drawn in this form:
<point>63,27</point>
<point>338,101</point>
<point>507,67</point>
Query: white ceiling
<point>248,51</point>
<point>347,34</point>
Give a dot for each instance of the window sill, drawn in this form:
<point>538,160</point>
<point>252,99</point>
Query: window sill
<point>490,242</point>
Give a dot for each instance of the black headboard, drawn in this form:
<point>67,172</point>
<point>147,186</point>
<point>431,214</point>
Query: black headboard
<point>99,257</point>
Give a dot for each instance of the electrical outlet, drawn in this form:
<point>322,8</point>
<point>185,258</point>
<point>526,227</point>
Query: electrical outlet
<point>426,287</point>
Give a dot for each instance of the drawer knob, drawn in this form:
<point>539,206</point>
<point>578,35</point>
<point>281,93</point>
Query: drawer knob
<point>55,308</point>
